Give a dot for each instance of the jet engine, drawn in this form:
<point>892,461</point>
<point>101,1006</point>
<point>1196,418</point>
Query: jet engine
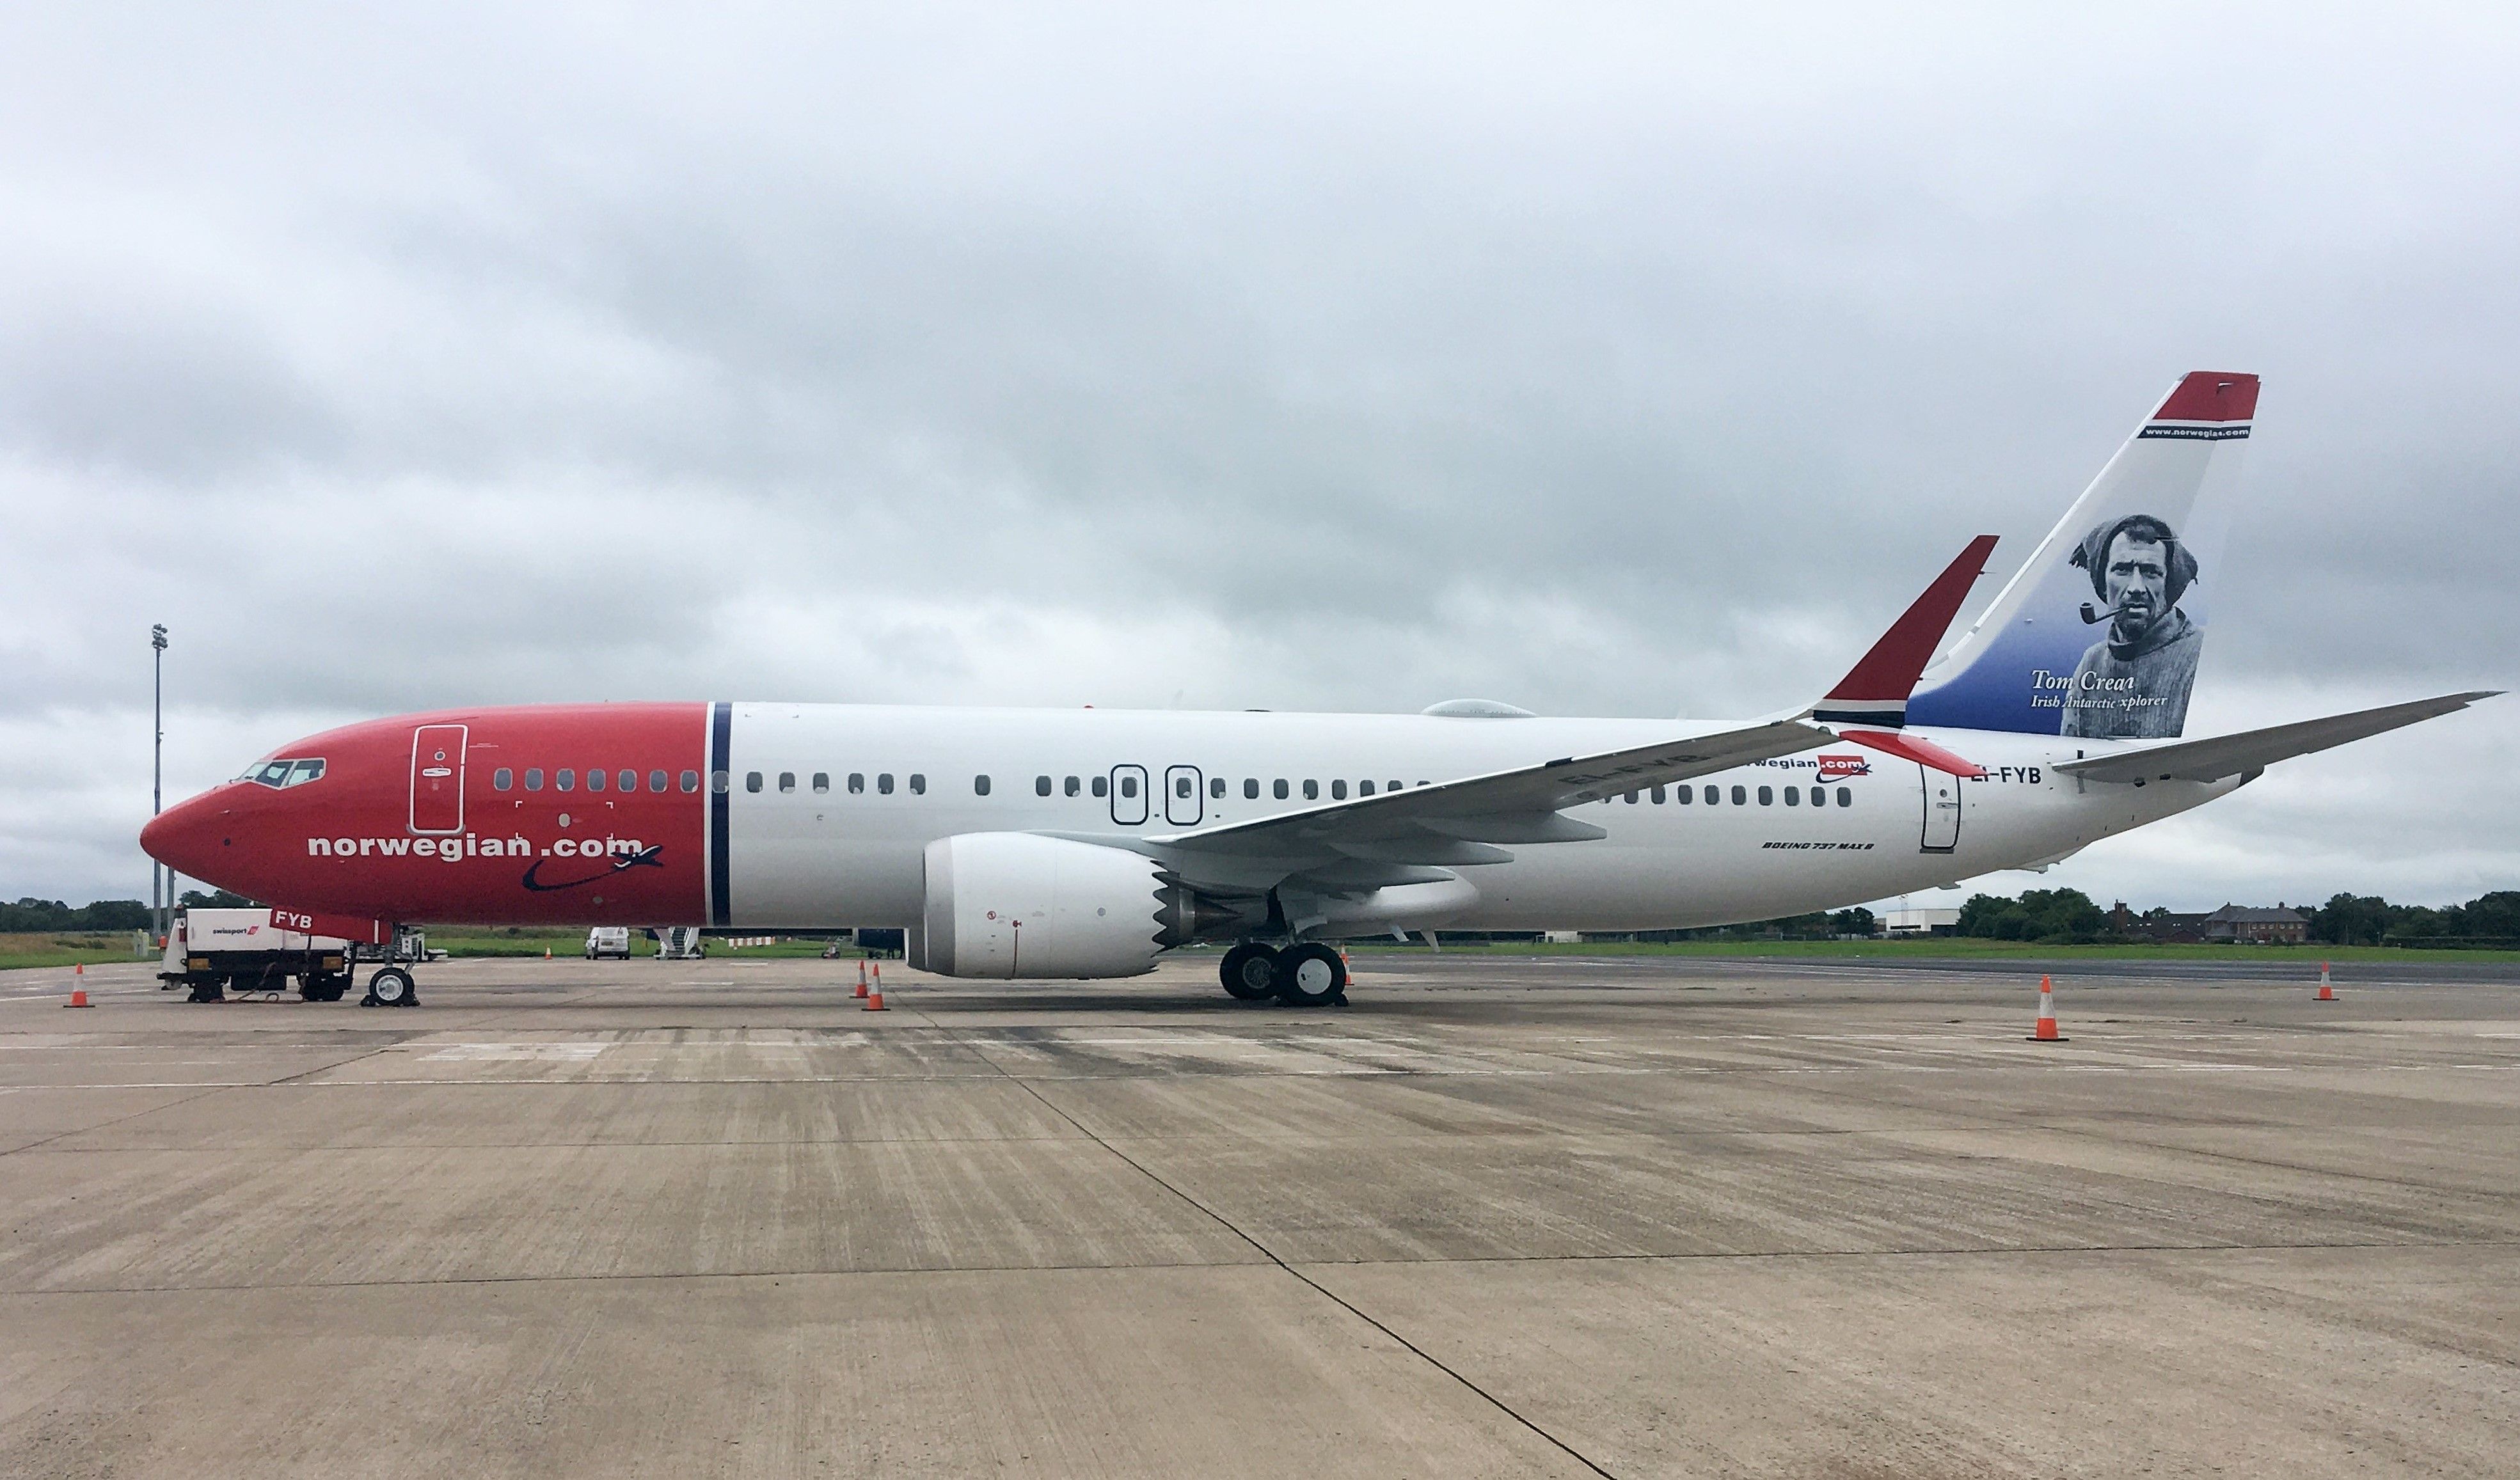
<point>1016,903</point>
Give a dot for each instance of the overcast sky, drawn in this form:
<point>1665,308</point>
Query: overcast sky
<point>1602,360</point>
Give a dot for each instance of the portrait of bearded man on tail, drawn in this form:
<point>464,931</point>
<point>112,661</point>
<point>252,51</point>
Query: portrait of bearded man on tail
<point>2133,685</point>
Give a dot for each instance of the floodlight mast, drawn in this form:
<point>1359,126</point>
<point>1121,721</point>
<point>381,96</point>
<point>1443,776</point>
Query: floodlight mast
<point>161,883</point>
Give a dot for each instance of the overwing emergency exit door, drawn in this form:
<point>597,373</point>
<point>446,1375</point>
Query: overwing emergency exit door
<point>1942,810</point>
<point>438,779</point>
<point>1183,807</point>
<point>1128,795</point>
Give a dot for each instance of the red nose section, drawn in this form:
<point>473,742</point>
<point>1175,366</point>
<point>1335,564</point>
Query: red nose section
<point>189,837</point>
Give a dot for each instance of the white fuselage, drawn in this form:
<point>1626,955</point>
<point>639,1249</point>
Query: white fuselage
<point>850,852</point>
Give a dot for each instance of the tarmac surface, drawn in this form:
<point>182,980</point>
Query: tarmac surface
<point>1502,1216</point>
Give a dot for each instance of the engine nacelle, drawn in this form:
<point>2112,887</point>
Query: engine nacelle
<point>1013,904</point>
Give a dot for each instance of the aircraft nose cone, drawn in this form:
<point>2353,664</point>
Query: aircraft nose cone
<point>186,837</point>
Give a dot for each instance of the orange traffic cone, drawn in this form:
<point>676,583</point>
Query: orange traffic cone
<point>78,997</point>
<point>2327,991</point>
<point>862,990</point>
<point>546,952</point>
<point>875,997</point>
<point>2046,1030</point>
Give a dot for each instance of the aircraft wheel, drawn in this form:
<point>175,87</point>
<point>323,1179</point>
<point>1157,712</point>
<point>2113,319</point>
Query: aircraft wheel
<point>1250,972</point>
<point>391,987</point>
<point>1311,975</point>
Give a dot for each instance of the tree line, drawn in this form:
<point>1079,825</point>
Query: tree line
<point>29,917</point>
<point>2068,916</point>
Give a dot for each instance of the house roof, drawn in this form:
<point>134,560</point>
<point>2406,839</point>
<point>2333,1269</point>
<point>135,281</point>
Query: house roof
<point>2252,914</point>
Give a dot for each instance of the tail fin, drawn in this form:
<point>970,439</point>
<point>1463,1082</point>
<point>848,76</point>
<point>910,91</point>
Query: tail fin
<point>2098,632</point>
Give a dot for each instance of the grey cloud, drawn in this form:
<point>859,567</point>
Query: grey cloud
<point>1615,362</point>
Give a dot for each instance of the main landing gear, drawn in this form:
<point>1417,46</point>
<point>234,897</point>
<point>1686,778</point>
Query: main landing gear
<point>390,987</point>
<point>1306,975</point>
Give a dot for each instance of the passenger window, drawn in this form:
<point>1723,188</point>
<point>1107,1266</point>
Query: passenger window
<point>1041,785</point>
<point>857,782</point>
<point>979,786</point>
<point>1767,797</point>
<point>1069,786</point>
<point>1101,786</point>
<point>1216,787</point>
<point>1845,796</point>
<point>1741,796</point>
<point>595,781</point>
<point>1395,786</point>
<point>1338,791</point>
<point>1793,796</point>
<point>630,782</point>
<point>1312,791</point>
<point>692,781</point>
<point>503,779</point>
<point>565,778</point>
<point>786,781</point>
<point>1129,785</point>
<point>656,781</point>
<point>884,783</point>
<point>822,781</point>
<point>1251,788</point>
<point>533,778</point>
<point>718,782</point>
<point>1657,796</point>
<point>1632,798</point>
<point>1279,789</point>
<point>1364,789</point>
<point>1182,787</point>
<point>752,780</point>
<point>919,784</point>
<point>1683,794</point>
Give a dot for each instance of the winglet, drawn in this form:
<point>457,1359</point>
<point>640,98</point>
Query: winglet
<point>1875,692</point>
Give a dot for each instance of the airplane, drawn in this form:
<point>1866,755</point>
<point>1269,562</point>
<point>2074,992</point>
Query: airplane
<point>1087,844</point>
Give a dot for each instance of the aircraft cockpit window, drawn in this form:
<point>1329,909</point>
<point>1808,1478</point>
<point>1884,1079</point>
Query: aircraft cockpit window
<point>283,773</point>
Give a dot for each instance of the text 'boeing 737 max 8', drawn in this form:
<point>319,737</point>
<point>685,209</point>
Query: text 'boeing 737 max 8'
<point>1088,842</point>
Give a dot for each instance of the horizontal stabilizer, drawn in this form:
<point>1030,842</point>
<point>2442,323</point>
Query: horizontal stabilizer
<point>1917,749</point>
<point>2253,750</point>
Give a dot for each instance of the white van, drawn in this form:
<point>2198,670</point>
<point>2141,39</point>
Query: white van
<point>607,940</point>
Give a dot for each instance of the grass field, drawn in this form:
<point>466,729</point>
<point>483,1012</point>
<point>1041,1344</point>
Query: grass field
<point>62,950</point>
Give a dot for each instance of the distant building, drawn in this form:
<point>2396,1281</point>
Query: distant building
<point>2245,924</point>
<point>1917,921</point>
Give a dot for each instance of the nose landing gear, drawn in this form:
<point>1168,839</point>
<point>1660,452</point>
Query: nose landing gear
<point>390,987</point>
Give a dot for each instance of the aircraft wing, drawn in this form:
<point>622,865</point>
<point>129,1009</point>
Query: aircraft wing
<point>2253,750</point>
